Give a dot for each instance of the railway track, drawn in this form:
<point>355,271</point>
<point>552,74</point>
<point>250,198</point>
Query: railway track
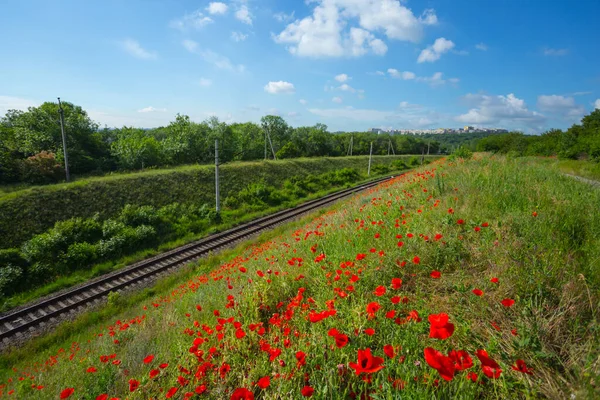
<point>27,320</point>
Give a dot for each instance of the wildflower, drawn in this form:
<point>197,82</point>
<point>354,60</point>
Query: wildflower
<point>242,394</point>
<point>494,280</point>
<point>307,391</point>
<point>416,260</point>
<point>440,327</point>
<point>366,363</point>
<point>65,394</point>
<point>522,367</point>
<point>264,382</point>
<point>472,376</point>
<point>200,389</point>
<point>490,368</point>
<point>154,373</point>
<point>507,302</point>
<point>360,256</point>
<point>372,308</point>
<point>225,368</point>
<point>301,357</point>
<point>341,340</point>
<point>462,359</point>
<point>396,283</point>
<point>460,222</point>
<point>133,385</point>
<point>535,214</point>
<point>172,392</point>
<point>91,370</point>
<point>149,359</point>
<point>370,331</point>
<point>442,364</point>
<point>379,291</point>
<point>436,274</point>
<point>388,349</point>
<point>102,396</point>
<point>478,292</point>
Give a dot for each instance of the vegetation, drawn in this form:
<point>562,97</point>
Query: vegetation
<point>580,141</point>
<point>78,244</point>
<point>31,147</point>
<point>449,282</point>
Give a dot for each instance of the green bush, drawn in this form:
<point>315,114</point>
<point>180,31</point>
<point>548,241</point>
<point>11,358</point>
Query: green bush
<point>462,152</point>
<point>12,278</point>
<point>80,255</point>
<point>380,169</point>
<point>413,161</point>
<point>41,168</point>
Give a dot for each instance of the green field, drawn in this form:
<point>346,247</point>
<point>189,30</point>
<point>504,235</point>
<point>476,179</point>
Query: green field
<point>495,257</point>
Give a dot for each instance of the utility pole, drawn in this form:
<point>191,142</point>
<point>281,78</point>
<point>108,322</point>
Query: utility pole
<point>265,144</point>
<point>370,157</point>
<point>64,139</point>
<point>218,206</point>
<point>389,146</point>
<point>428,143</point>
<point>351,143</point>
<point>422,155</point>
<point>272,149</point>
<point>392,146</point>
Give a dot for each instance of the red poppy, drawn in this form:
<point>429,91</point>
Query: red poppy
<point>133,385</point>
<point>379,291</point>
<point>163,366</point>
<point>462,359</point>
<point>341,340</point>
<point>450,211</point>
<point>472,376</point>
<point>200,389</point>
<point>444,365</point>
<point>437,236</point>
<point>395,299</point>
<point>507,302</point>
<point>522,367</point>
<point>535,214</point>
<point>264,382</point>
<point>370,331</point>
<point>494,280</point>
<point>478,292</point>
<point>396,283</point>
<point>103,396</point>
<point>490,368</point>
<point>440,327</point>
<point>240,333</point>
<point>514,332</point>
<point>477,229</point>
<point>436,274</point>
<point>154,373</point>
<point>390,314</point>
<point>149,359</point>
<point>307,391</point>
<point>372,308</point>
<point>360,256</point>
<point>172,392</point>
<point>242,394</point>
<point>225,368</point>
<point>65,394</point>
<point>388,349</point>
<point>460,221</point>
<point>416,260</point>
<point>301,357</point>
<point>366,363</point>
<point>91,370</point>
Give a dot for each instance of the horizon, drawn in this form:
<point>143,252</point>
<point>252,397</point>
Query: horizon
<point>352,66</point>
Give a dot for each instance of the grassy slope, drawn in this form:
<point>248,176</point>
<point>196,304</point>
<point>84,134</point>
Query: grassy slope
<point>586,169</point>
<point>37,209</point>
<point>546,263</point>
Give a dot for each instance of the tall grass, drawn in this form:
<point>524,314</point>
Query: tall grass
<point>461,225</point>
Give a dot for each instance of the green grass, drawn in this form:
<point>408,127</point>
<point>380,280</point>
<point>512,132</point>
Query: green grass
<point>524,223</point>
<point>585,169</point>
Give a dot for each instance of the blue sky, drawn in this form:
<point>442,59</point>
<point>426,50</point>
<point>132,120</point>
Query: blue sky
<point>351,64</point>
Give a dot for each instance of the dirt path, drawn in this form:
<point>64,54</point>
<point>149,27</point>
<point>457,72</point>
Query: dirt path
<point>586,180</point>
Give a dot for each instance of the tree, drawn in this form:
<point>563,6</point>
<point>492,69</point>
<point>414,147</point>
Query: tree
<point>134,148</point>
<point>278,130</point>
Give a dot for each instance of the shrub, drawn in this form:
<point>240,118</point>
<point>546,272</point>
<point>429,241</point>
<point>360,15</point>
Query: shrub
<point>462,152</point>
<point>413,161</point>
<point>41,168</point>
<point>380,169</point>
<point>12,278</point>
<point>80,255</point>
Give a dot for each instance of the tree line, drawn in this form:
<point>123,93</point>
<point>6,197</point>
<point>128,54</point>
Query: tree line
<point>580,141</point>
<point>31,144</point>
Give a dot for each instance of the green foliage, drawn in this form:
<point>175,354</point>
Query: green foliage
<point>463,153</point>
<point>41,168</point>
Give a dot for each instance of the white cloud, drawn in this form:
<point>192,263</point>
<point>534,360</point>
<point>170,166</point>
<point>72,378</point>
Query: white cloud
<point>428,17</point>
<point>205,82</point>
<point>15,103</point>
<point>283,17</point>
<point>437,79</point>
<point>293,114</point>
<point>347,88</point>
<point>597,104</point>
<point>434,52</point>
<point>216,8</point>
<point>218,60</point>
<point>303,102</point>
<point>238,36</point>
<point>132,47</point>
<point>481,46</point>
<point>151,109</point>
<point>243,14</point>
<point>280,87</point>
<point>406,105</point>
<point>337,100</point>
<point>555,52</point>
<point>274,111</point>
<point>560,106</point>
<point>195,20</point>
<point>342,78</point>
<point>490,110</point>
<point>380,73</point>
<point>328,32</point>
<point>405,75</point>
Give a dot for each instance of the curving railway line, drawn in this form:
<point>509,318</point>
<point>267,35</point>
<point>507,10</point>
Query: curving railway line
<point>28,320</point>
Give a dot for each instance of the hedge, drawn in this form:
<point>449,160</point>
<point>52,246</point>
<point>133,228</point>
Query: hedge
<point>28,212</point>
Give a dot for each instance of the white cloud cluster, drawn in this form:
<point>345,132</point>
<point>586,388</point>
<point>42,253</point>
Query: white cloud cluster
<point>328,31</point>
<point>283,17</point>
<point>152,109</point>
<point>342,78</point>
<point>205,82</point>
<point>499,109</point>
<point>218,60</point>
<point>434,52</point>
<point>216,8</point>
<point>555,52</point>
<point>194,20</point>
<point>560,106</point>
<point>337,100</point>
<point>133,48</point>
<point>481,46</point>
<point>280,87</point>
<point>597,104</point>
<point>238,36</point>
<point>243,14</point>
<point>434,80</point>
